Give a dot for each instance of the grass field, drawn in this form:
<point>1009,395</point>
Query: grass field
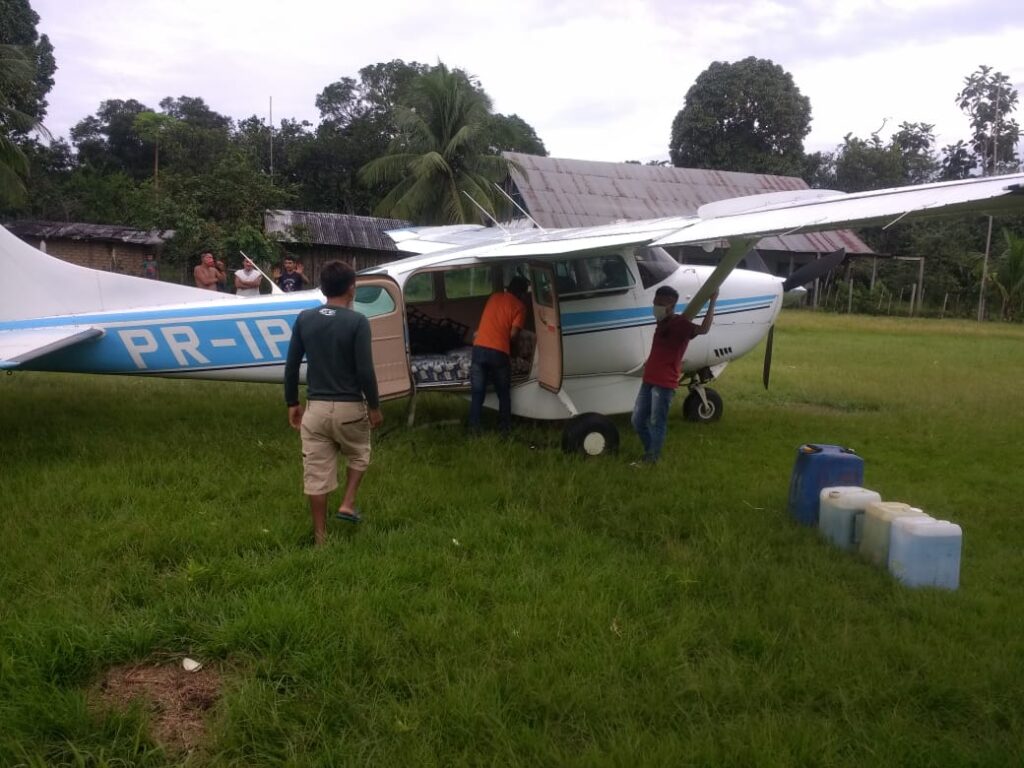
<point>503,604</point>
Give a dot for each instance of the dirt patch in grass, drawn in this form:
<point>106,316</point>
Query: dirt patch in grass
<point>178,701</point>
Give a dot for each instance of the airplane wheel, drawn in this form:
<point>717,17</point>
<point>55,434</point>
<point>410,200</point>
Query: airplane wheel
<point>590,434</point>
<point>695,410</point>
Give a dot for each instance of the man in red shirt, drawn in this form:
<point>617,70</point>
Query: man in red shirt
<point>503,317</point>
<point>672,335</point>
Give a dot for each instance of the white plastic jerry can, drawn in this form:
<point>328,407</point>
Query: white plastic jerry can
<point>925,552</point>
<point>839,508</point>
<point>877,528</point>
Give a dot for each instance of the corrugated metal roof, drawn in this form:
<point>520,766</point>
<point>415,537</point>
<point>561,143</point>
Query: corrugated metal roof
<point>314,228</point>
<point>47,230</point>
<point>580,193</point>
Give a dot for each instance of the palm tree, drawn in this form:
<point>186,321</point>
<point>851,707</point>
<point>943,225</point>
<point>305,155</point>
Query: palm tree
<point>440,155</point>
<point>1009,274</point>
<point>17,73</point>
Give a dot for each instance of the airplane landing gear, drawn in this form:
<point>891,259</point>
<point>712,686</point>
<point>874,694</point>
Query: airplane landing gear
<point>703,404</point>
<point>590,434</point>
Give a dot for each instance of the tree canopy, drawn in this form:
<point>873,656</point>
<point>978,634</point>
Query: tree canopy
<point>26,76</point>
<point>747,115</point>
<point>441,159</point>
<point>988,99</point>
<point>26,96</point>
<point>182,165</point>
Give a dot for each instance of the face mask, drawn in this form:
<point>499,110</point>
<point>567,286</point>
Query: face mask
<point>660,313</point>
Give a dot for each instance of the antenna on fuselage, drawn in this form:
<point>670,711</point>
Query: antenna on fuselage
<point>518,207</point>
<point>274,287</point>
<point>485,213</point>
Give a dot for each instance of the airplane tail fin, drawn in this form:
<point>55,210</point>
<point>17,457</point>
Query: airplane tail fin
<point>37,285</point>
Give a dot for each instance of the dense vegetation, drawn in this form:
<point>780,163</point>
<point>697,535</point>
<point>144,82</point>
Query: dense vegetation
<point>407,139</point>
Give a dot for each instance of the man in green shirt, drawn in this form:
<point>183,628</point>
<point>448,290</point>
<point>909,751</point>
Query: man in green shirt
<point>342,403</point>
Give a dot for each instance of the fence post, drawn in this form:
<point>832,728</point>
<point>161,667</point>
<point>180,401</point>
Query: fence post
<point>920,286</point>
<point>913,295</point>
<point>944,300</point>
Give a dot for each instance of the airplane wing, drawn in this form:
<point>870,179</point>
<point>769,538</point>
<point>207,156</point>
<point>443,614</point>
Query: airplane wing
<point>20,346</point>
<point>493,243</point>
<point>887,206</point>
<point>433,239</point>
<point>742,221</point>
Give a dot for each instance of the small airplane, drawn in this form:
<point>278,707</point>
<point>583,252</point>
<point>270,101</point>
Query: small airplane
<point>592,291</point>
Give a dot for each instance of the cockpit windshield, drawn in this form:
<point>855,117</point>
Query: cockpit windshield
<point>654,265</point>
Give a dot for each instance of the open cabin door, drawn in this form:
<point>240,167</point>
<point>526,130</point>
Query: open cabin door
<point>548,324</point>
<point>380,299</point>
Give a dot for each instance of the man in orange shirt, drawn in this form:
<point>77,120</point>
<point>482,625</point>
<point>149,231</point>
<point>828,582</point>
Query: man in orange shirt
<point>503,317</point>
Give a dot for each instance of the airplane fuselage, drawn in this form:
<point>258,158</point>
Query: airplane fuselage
<point>605,338</point>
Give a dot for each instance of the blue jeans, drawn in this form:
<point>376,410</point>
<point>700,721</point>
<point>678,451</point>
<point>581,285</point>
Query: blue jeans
<point>494,366</point>
<point>650,418</point>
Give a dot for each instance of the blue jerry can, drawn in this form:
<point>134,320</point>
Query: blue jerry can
<point>817,467</point>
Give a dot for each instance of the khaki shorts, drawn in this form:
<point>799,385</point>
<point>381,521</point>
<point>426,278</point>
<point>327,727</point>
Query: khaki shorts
<point>327,429</point>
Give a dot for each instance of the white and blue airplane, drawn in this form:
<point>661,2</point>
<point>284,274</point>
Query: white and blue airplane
<point>592,291</point>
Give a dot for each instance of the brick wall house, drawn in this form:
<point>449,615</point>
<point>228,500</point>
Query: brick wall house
<point>97,246</point>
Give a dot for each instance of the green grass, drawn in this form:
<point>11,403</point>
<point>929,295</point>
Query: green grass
<point>507,605</point>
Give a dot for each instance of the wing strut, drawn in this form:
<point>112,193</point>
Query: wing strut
<point>738,248</point>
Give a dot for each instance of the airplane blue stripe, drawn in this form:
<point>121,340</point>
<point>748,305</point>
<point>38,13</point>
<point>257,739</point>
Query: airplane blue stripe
<point>640,322</point>
<point>148,315</point>
<point>289,307</point>
<point>608,316</point>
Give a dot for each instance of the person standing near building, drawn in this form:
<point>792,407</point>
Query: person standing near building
<point>291,279</point>
<point>501,321</point>
<point>342,402</point>
<point>672,335</point>
<point>248,279</point>
<point>149,267</point>
<point>207,275</point>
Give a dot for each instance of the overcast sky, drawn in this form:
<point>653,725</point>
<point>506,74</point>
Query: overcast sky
<point>597,79</point>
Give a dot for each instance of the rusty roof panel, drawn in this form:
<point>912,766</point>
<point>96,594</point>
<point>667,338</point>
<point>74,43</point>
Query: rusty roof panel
<point>110,233</point>
<point>579,193</point>
<point>316,228</point>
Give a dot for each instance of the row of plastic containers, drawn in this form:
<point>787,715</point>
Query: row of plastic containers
<point>826,491</point>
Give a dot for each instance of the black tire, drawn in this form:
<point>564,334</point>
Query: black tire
<point>695,410</point>
<point>590,434</point>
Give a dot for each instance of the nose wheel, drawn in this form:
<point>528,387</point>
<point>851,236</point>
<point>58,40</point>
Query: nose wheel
<point>703,404</point>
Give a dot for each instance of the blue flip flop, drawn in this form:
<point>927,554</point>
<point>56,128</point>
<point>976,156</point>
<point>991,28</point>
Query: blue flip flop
<point>353,517</point>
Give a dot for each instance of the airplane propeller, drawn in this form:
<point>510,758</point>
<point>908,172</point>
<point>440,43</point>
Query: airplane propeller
<point>804,275</point>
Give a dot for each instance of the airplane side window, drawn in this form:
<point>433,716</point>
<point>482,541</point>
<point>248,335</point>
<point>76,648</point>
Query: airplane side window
<point>654,265</point>
<point>465,283</point>
<point>566,278</point>
<point>542,288</point>
<point>372,300</point>
<point>419,288</point>
<point>583,278</point>
<point>608,272</point>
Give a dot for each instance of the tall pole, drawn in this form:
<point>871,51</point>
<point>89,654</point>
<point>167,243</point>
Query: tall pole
<point>271,139</point>
<point>988,239</point>
<point>984,273</point>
